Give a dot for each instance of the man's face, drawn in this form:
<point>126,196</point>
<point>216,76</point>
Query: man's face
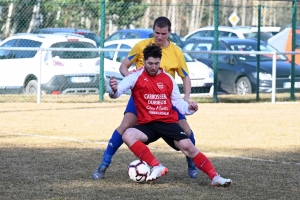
<point>161,35</point>
<point>152,65</point>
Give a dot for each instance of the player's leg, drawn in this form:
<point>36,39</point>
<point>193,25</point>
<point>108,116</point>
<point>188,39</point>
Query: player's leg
<point>129,120</point>
<point>202,162</point>
<point>192,169</point>
<point>136,139</point>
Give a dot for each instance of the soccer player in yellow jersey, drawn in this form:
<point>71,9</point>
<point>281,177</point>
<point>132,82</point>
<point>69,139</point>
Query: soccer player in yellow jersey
<point>172,62</point>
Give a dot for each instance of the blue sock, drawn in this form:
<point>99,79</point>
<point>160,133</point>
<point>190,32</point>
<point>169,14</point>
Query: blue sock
<point>113,145</point>
<point>192,138</point>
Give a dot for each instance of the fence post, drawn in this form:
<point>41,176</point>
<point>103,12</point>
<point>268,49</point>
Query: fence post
<point>102,35</point>
<point>258,55</point>
<point>294,21</point>
<point>216,47</point>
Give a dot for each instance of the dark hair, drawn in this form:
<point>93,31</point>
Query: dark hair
<point>162,22</point>
<point>152,50</point>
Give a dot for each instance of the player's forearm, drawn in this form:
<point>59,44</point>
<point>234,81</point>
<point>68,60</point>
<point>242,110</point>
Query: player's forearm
<point>181,105</point>
<point>186,87</point>
<point>124,69</point>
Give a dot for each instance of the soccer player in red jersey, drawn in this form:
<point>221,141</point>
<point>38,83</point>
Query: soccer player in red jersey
<point>155,92</point>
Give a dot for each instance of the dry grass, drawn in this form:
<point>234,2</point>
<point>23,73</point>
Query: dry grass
<point>49,151</point>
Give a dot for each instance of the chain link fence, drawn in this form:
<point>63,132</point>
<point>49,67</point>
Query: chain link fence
<point>91,19</point>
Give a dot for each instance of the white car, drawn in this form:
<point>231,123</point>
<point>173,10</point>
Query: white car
<point>241,32</point>
<point>62,72</point>
<point>201,75</point>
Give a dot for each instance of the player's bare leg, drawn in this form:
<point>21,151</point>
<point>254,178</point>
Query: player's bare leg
<point>202,163</point>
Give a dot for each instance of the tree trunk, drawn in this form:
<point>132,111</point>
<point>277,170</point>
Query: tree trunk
<point>35,20</point>
<point>201,12</point>
<point>8,21</point>
<point>145,20</point>
<point>193,17</point>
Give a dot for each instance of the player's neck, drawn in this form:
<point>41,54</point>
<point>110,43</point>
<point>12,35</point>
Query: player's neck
<point>165,44</point>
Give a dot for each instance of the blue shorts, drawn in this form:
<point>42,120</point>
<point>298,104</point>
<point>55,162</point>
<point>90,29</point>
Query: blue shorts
<point>131,108</point>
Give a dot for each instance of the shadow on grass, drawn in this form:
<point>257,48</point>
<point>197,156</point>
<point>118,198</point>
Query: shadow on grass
<point>52,173</point>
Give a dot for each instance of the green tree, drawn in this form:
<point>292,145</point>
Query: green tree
<point>124,13</point>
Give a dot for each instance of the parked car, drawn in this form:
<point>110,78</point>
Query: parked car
<point>62,72</point>
<point>237,73</point>
<point>140,33</point>
<point>241,32</point>
<point>86,33</point>
<point>201,76</point>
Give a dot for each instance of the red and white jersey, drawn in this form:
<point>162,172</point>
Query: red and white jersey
<point>153,96</point>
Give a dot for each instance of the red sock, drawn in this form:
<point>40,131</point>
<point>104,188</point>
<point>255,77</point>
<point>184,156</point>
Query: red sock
<point>204,164</point>
<point>141,151</point>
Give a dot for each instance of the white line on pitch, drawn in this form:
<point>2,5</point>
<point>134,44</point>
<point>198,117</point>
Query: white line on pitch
<point>53,137</point>
<point>105,143</point>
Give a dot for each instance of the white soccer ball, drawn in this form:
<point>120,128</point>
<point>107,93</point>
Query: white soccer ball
<point>138,171</point>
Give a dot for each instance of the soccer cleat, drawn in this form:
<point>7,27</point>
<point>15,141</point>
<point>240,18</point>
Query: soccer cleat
<point>156,172</point>
<point>192,169</point>
<point>99,173</point>
<point>220,181</point>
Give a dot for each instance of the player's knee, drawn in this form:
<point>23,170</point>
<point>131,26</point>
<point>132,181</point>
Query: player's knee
<point>128,136</point>
<point>189,148</point>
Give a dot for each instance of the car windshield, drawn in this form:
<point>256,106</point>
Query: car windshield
<point>74,54</point>
<point>188,58</point>
<point>248,56</point>
<point>264,36</point>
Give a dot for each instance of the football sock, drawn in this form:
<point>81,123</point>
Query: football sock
<point>204,164</point>
<point>192,138</point>
<point>113,145</point>
<point>141,151</point>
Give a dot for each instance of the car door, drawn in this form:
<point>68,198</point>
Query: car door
<point>15,66</point>
<point>227,70</point>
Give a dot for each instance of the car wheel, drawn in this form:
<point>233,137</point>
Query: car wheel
<point>31,87</point>
<point>243,86</point>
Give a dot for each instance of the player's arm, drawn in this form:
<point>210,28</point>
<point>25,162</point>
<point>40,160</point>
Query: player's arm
<point>184,107</point>
<point>125,65</point>
<point>186,88</point>
<point>129,60</point>
<point>117,89</point>
<point>184,74</point>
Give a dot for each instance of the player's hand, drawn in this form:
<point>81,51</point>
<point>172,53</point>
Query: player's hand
<point>113,83</point>
<point>193,106</point>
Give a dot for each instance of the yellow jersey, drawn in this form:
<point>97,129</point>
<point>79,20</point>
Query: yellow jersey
<point>172,58</point>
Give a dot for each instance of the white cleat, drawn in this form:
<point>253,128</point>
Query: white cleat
<point>156,172</point>
<point>220,181</point>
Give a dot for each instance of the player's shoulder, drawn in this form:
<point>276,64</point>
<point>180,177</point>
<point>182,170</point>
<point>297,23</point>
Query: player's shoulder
<point>144,42</point>
<point>167,74</point>
<point>175,47</point>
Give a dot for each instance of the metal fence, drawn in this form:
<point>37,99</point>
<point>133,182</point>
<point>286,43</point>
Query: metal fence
<point>105,17</point>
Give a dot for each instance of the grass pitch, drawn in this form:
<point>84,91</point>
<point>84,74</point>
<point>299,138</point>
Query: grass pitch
<point>49,151</point>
